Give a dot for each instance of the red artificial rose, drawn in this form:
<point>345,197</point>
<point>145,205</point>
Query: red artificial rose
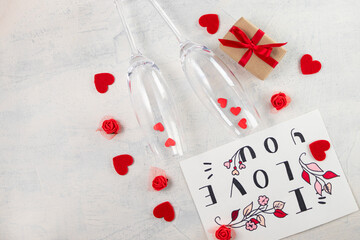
<point>223,233</point>
<point>279,101</point>
<point>110,126</point>
<point>159,183</point>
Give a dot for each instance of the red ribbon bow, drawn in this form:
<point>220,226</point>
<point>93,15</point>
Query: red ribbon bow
<point>262,51</point>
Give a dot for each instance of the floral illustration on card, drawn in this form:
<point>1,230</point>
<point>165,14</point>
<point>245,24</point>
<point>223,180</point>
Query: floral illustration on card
<point>237,161</point>
<point>313,174</point>
<point>254,217</point>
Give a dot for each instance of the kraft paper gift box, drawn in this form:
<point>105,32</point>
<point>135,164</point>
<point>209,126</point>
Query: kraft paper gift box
<point>252,48</point>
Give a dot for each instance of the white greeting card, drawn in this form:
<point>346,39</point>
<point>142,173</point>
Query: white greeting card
<point>269,185</point>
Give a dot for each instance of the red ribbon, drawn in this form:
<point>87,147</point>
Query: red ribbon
<point>262,51</point>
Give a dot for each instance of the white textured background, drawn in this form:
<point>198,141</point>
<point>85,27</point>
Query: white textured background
<point>56,175</point>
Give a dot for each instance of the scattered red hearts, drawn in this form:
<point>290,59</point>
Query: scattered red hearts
<point>318,149</point>
<point>102,81</point>
<point>159,127</point>
<point>122,162</point>
<point>242,123</point>
<point>164,210</point>
<point>222,102</point>
<point>308,66</point>
<point>211,22</point>
<point>235,110</point>
<point>169,142</point>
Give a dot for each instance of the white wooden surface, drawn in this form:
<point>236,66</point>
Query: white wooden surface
<point>56,175</point>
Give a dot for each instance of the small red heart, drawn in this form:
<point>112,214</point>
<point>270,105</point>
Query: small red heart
<point>164,210</point>
<point>318,149</point>
<point>159,127</point>
<point>169,142</point>
<point>242,123</point>
<point>211,22</point>
<point>222,102</point>
<point>235,110</point>
<point>122,162</point>
<point>102,80</point>
<point>308,66</point>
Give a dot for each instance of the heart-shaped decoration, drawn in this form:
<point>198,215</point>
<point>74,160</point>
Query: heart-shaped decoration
<point>318,149</point>
<point>235,172</point>
<point>122,162</point>
<point>222,102</point>
<point>242,166</point>
<point>169,142</point>
<point>235,110</point>
<point>308,66</point>
<point>164,210</point>
<point>211,22</point>
<point>242,123</point>
<point>102,81</point>
<point>159,127</point>
<point>227,164</point>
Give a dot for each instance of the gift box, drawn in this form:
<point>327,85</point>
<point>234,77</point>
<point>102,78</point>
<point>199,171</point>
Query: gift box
<point>252,48</point>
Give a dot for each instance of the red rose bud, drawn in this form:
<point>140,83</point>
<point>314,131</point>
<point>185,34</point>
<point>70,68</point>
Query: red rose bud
<point>223,233</point>
<point>279,213</point>
<point>110,126</point>
<point>254,220</point>
<point>280,100</point>
<point>159,183</point>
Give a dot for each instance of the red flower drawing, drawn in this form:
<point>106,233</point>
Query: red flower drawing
<point>254,217</point>
<point>251,225</point>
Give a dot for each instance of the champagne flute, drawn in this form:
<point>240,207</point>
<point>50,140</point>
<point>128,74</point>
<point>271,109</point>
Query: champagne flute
<point>151,99</point>
<point>214,83</point>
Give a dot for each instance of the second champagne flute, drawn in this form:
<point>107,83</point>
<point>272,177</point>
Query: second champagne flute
<point>214,83</point>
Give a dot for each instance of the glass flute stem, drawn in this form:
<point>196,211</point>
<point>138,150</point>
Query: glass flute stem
<point>177,33</point>
<point>120,9</point>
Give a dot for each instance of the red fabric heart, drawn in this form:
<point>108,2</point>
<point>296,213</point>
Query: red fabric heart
<point>159,127</point>
<point>222,102</point>
<point>235,110</point>
<point>164,210</point>
<point>242,123</point>
<point>169,142</point>
<point>211,22</point>
<point>308,66</point>
<point>122,162</point>
<point>318,149</point>
<point>102,80</point>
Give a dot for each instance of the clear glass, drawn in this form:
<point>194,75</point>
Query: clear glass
<point>211,79</point>
<point>151,99</point>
